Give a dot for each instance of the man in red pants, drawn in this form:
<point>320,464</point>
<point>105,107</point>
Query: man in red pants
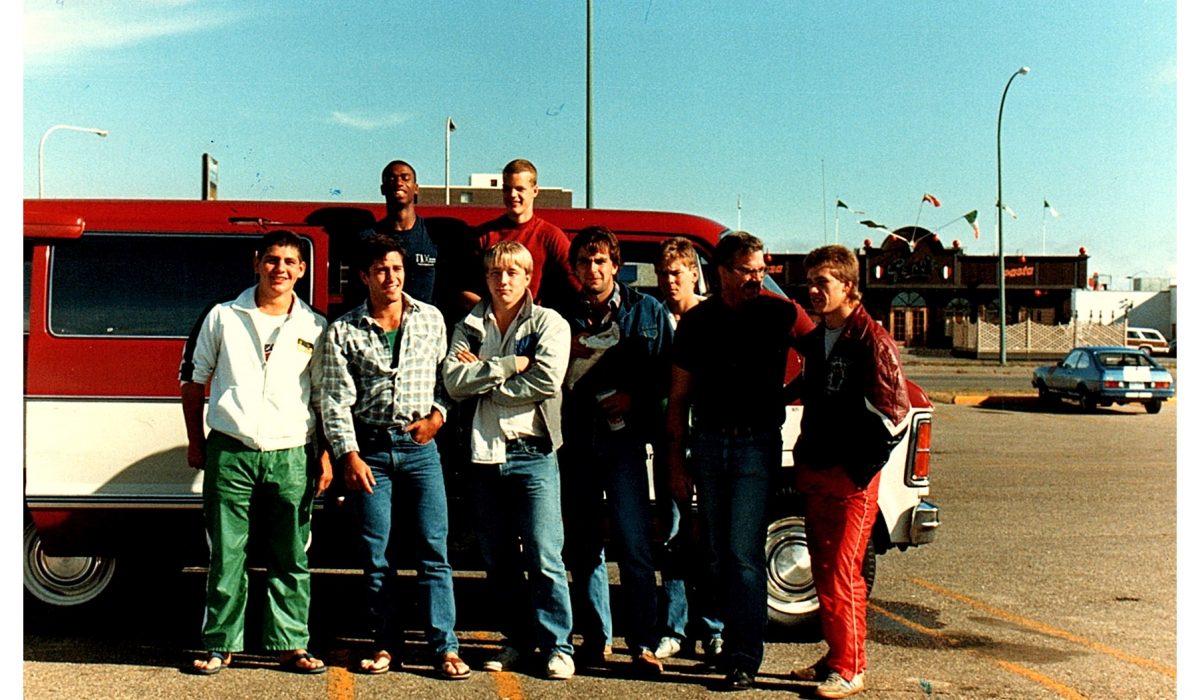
<point>856,410</point>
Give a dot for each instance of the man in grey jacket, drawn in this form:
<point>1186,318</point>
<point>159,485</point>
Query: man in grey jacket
<point>506,364</point>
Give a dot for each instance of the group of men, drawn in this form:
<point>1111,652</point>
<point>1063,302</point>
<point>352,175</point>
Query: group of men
<point>556,381</point>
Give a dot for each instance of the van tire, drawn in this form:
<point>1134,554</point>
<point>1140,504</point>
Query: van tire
<point>791,594</point>
<point>63,582</point>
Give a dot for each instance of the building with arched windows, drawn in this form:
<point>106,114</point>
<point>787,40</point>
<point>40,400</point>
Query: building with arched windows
<point>916,286</point>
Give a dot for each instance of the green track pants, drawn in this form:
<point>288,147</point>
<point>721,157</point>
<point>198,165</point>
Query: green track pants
<point>278,484</point>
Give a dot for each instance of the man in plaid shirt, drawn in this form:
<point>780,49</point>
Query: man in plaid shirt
<point>382,403</point>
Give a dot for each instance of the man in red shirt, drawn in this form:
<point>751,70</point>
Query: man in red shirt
<point>552,283</point>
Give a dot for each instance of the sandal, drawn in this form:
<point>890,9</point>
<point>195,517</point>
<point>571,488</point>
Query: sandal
<point>223,656</point>
<point>292,664</point>
<point>380,663</point>
<point>454,668</point>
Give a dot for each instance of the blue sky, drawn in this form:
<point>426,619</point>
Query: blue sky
<point>786,106</point>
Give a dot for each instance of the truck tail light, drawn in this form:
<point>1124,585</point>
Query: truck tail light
<point>1162,385</point>
<point>1112,384</point>
<point>920,452</point>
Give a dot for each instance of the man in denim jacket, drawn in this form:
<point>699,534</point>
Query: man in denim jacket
<point>611,412</point>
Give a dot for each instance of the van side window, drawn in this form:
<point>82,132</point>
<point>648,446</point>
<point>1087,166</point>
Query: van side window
<point>637,268</point>
<point>121,285</point>
<point>28,281</point>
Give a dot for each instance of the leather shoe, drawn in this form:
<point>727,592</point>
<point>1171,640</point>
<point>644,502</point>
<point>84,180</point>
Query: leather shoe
<point>738,680</point>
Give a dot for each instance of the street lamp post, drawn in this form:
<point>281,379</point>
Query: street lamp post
<point>1023,70</point>
<point>450,127</point>
<point>42,147</point>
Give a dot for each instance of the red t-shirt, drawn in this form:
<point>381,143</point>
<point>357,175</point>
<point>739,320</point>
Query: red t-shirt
<point>548,245</point>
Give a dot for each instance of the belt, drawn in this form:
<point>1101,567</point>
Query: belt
<point>529,444</point>
<point>734,431</point>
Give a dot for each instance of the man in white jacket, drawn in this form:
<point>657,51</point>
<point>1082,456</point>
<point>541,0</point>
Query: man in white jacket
<point>506,364</point>
<point>256,353</point>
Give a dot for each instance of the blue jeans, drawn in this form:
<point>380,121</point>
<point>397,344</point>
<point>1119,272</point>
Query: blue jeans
<point>733,484</point>
<point>615,466</point>
<point>409,489</point>
<point>686,608</point>
<point>519,514</point>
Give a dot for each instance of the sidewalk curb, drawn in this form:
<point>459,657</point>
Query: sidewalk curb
<point>976,399</point>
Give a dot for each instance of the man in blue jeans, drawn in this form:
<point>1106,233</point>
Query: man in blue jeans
<point>729,361</point>
<point>686,608</point>
<point>617,388</point>
<point>506,364</point>
<point>382,403</point>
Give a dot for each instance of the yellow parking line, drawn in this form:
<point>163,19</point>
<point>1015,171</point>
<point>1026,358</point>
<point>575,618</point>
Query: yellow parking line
<point>340,683</point>
<point>1048,630</point>
<point>507,686</point>
<point>1041,679</point>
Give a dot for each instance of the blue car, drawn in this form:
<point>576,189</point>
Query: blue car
<point>1102,376</point>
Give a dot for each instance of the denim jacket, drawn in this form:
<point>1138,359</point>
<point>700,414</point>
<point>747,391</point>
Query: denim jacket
<point>638,364</point>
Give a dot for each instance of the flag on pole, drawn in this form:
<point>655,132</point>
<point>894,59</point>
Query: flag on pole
<point>847,207</point>
<point>1010,212</point>
<point>1046,206</point>
<point>931,199</point>
<point>450,124</point>
<point>970,217</point>
<point>871,224</point>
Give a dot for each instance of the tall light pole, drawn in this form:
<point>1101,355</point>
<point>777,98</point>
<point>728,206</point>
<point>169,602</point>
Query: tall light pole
<point>449,128</point>
<point>588,128</point>
<point>1023,70</point>
<point>42,147</point>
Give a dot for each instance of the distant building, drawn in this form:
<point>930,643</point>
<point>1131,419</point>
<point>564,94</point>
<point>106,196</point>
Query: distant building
<point>484,191</point>
<point>1142,309</point>
<point>916,286</point>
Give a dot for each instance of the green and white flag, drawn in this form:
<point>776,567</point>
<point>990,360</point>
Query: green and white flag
<point>970,217</point>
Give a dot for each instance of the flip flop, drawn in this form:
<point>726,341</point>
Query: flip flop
<point>292,665</point>
<point>225,658</point>
<point>454,668</point>
<point>380,663</point>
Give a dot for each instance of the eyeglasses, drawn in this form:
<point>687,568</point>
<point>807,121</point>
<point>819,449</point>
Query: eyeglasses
<point>750,271</point>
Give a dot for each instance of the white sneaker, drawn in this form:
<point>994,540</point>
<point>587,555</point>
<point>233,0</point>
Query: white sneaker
<point>503,661</point>
<point>559,667</point>
<point>667,647</point>
<point>834,686</point>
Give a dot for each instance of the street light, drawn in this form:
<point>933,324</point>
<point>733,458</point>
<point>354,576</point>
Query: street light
<point>1023,70</point>
<point>42,147</point>
<point>450,127</point>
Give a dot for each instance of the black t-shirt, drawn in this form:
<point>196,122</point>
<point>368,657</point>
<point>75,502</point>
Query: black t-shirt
<point>737,359</point>
<point>420,257</point>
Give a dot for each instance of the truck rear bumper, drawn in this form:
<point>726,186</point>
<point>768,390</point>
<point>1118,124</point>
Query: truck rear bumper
<point>926,517</point>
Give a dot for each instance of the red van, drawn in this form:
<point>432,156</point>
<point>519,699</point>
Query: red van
<point>112,288</point>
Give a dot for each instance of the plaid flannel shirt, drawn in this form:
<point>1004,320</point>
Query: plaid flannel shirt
<point>358,382</point>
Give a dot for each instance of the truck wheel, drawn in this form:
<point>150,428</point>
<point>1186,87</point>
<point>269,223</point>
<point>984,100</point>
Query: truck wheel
<point>63,581</point>
<point>1153,405</point>
<point>791,594</point>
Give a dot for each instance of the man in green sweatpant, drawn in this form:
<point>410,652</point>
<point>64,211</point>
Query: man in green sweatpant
<point>255,355</point>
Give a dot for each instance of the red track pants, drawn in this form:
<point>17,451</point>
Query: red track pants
<point>838,521</point>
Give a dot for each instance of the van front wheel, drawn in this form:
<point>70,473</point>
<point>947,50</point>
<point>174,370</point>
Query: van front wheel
<point>63,581</point>
<point>791,594</point>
